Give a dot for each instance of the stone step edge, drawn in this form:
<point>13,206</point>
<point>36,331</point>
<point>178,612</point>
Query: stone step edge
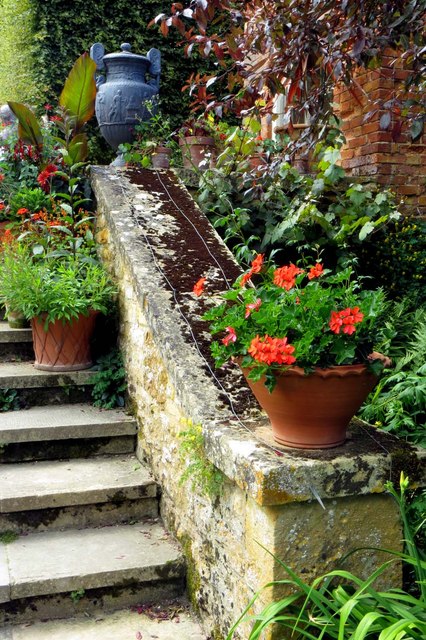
<point>172,617</point>
<point>17,578</point>
<point>23,375</point>
<point>14,336</point>
<point>142,485</point>
<point>24,430</point>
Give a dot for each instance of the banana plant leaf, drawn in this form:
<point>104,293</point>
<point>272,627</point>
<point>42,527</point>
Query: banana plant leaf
<point>28,127</point>
<point>79,92</point>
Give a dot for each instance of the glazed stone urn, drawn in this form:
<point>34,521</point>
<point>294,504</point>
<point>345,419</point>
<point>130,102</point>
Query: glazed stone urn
<point>125,82</point>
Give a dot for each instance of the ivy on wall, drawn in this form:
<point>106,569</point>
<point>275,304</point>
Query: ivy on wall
<point>17,80</point>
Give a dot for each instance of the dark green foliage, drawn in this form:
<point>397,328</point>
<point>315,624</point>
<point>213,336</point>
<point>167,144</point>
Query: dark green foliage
<point>398,403</point>
<point>110,384</point>
<point>9,400</point>
<point>403,244</point>
<point>65,30</point>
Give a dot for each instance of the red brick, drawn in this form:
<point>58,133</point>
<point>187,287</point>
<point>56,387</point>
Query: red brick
<point>409,190</point>
<point>370,127</point>
<point>380,136</point>
<point>414,159</point>
<point>357,142</point>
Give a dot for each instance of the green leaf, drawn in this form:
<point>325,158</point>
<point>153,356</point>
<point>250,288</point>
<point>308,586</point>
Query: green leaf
<point>367,228</point>
<point>79,92</point>
<point>78,149</point>
<point>28,129</point>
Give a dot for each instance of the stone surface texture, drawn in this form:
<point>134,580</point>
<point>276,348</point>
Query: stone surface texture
<point>120,625</point>
<point>307,508</point>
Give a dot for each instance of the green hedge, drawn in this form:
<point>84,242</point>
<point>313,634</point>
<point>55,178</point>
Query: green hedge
<point>17,80</point>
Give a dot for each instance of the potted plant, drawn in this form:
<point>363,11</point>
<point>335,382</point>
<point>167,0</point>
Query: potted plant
<point>61,298</point>
<point>197,143</point>
<point>304,338</point>
<point>153,141</point>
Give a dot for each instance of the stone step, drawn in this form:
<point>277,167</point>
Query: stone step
<point>167,621</point>
<point>75,493</point>
<point>65,431</point>
<point>37,387</point>
<point>15,344</point>
<point>55,574</point>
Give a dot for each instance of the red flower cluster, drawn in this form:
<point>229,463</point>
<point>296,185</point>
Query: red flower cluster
<point>23,151</point>
<point>316,271</point>
<point>199,286</point>
<point>1,177</point>
<point>230,337</point>
<point>256,267</point>
<point>45,177</point>
<point>285,277</point>
<point>22,211</point>
<point>345,320</point>
<point>2,206</point>
<point>271,350</point>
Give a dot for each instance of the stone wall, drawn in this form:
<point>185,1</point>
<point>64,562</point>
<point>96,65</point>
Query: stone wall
<point>306,508</point>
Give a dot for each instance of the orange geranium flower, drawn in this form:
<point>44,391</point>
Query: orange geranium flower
<point>199,286</point>
<point>256,267</point>
<point>22,211</point>
<point>285,277</point>
<point>270,350</point>
<point>316,271</point>
<point>345,320</point>
<point>257,263</point>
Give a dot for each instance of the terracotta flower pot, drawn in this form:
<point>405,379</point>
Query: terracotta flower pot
<point>65,346</point>
<point>194,150</point>
<point>161,158</point>
<point>16,320</point>
<point>313,411</point>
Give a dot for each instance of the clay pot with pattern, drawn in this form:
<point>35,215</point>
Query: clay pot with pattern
<point>63,345</point>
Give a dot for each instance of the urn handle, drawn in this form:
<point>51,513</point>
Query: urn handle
<point>154,57</point>
<point>97,52</point>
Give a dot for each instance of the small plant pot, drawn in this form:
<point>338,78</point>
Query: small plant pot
<point>16,320</point>
<point>194,150</point>
<point>257,160</point>
<point>64,346</point>
<point>161,158</point>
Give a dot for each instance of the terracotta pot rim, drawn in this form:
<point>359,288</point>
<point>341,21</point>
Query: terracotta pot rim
<point>204,140</point>
<point>161,149</point>
<point>335,371</point>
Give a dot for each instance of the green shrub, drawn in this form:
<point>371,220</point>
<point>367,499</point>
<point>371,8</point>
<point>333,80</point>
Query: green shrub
<point>398,403</point>
<point>395,256</point>
<point>109,382</point>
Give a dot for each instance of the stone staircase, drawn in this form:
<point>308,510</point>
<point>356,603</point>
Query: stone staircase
<point>83,553</point>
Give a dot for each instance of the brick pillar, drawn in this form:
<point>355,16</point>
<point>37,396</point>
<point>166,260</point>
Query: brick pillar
<point>385,156</point>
